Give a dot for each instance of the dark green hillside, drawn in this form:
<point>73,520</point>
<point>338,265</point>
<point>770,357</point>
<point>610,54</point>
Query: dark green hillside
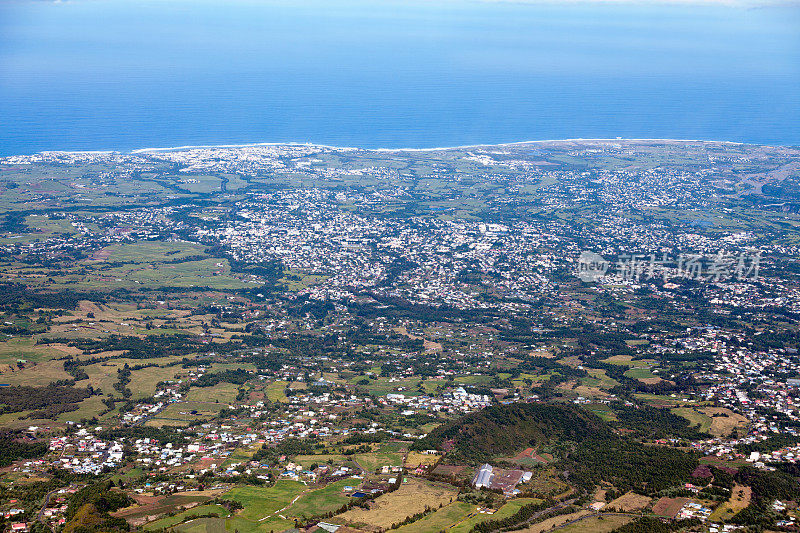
<point>505,429</point>
<point>589,451</point>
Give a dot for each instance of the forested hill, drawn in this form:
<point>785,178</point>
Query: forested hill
<point>587,448</point>
<point>505,429</point>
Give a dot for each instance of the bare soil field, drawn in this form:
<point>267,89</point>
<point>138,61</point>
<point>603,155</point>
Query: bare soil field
<point>629,502</point>
<point>148,507</point>
<point>724,421</point>
<point>740,498</point>
<point>668,507</point>
<point>415,459</point>
<point>599,524</point>
<point>411,498</point>
<point>556,521</point>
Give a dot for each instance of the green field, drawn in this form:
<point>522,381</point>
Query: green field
<point>180,517</point>
<point>144,252</point>
<point>202,525</point>
<point>260,502</point>
<point>328,498</point>
<point>240,455</point>
<point>181,413</point>
<point>699,420</point>
<point>16,348</point>
<point>224,393</point>
<point>601,379</point>
<point>372,461</point>
<point>504,512</point>
<point>275,391</point>
<point>307,460</point>
<point>661,399</point>
<point>640,373</point>
<point>440,520</point>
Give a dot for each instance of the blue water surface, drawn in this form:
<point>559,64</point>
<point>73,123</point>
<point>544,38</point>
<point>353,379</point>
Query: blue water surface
<point>121,74</point>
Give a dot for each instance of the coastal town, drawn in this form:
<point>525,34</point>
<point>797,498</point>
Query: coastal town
<point>295,337</point>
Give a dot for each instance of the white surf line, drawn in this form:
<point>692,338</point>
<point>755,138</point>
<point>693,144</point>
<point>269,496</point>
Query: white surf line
<point>351,148</point>
<point>434,149</point>
<point>389,150</point>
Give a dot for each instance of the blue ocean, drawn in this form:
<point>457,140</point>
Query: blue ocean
<point>121,74</point>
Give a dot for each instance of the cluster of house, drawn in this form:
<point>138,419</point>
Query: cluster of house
<point>84,453</point>
<point>724,528</point>
<point>459,400</point>
<point>297,472</point>
<point>786,454</point>
<point>694,510</point>
<point>789,521</point>
<point>308,231</point>
<point>118,227</point>
<point>143,411</point>
<point>55,511</point>
<point>750,382</point>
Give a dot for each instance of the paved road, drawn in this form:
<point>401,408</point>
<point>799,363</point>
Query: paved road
<point>40,514</point>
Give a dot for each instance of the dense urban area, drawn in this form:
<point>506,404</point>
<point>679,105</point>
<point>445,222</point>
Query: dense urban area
<point>559,336</point>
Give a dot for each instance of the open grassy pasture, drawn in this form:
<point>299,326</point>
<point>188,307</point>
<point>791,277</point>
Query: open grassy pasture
<point>505,511</point>
<point>262,502</point>
<point>430,385</point>
<point>143,252</point>
<point>661,399</point>
<point>641,374</point>
<point>180,517</point>
<point>143,382</point>
<point>599,378</point>
<point>225,393</point>
<point>307,460</point>
<point>214,273</point>
<point>275,391</point>
<point>603,411</point>
<point>147,264</point>
<point>385,456</point>
<point>202,525</point>
<point>88,408</point>
<point>440,520</point>
<point>182,413</point>
<point>323,500</point>
<point>382,386</point>
<point>242,525</point>
<point>103,376</point>
<point>627,360</point>
<point>695,418</point>
<point>34,374</point>
<point>535,379</point>
<point>600,524</point>
<point>12,349</point>
<point>472,380</point>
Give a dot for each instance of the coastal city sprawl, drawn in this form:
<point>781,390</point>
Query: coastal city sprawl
<point>595,335</point>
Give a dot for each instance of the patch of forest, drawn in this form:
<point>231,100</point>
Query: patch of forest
<point>45,402</point>
<point>589,450</point>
